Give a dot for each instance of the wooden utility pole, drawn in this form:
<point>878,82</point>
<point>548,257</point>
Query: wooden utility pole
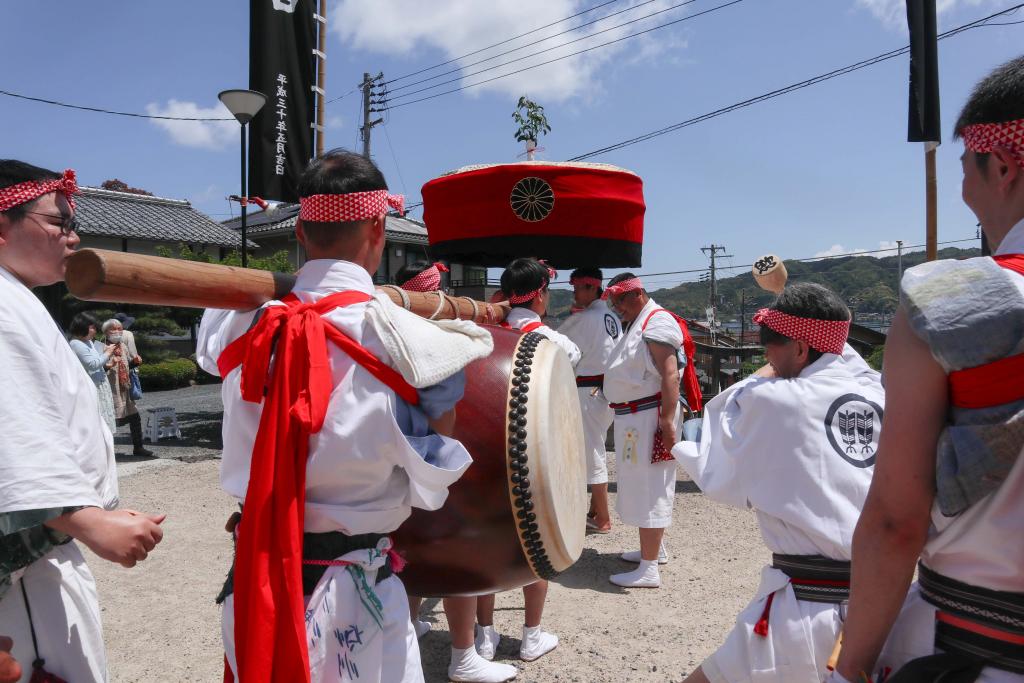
<point>367,87</point>
<point>713,251</point>
<point>321,78</point>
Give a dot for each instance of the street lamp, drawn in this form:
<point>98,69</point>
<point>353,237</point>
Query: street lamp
<point>244,105</point>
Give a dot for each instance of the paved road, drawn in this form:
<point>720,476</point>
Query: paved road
<point>199,411</point>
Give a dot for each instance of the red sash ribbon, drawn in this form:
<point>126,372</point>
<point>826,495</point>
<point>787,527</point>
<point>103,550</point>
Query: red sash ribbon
<point>528,327</point>
<point>690,382</point>
<point>270,633</point>
<point>995,383</point>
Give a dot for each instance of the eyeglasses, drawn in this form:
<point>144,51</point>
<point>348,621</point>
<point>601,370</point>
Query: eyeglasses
<point>68,224</point>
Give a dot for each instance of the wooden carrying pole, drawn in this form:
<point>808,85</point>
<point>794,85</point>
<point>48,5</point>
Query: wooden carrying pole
<point>101,275</point>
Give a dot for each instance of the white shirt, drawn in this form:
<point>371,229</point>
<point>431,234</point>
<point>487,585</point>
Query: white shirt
<point>55,449</point>
<point>518,318</point>
<point>594,330</point>
<point>631,373</point>
<point>1013,243</point>
<point>362,475</point>
<point>793,450</point>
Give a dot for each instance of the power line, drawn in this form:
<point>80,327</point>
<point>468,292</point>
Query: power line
<point>341,97</point>
<point>116,113</point>
<point>802,260</point>
<point>784,90</point>
<point>509,40</point>
<point>537,42</point>
<point>398,168</point>
<point>558,59</point>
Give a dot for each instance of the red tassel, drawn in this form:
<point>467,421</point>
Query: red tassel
<point>761,627</point>
<point>41,675</point>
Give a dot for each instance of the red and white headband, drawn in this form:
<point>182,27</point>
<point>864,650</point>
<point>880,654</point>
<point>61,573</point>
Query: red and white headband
<point>827,336</point>
<point>630,285</point>
<point>530,296</point>
<point>355,206</point>
<point>16,195</point>
<point>427,280</point>
<point>585,280</point>
<point>982,137</point>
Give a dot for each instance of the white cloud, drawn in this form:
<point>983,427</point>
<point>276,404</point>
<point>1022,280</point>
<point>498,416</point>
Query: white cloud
<point>449,30</point>
<point>204,134</point>
<point>893,13</point>
<point>335,122</point>
<point>887,247</point>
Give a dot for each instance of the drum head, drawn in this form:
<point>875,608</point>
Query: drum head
<point>546,459</point>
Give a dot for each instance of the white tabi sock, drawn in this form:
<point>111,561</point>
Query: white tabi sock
<point>634,555</point>
<point>536,643</point>
<point>486,641</point>
<point>644,576</point>
<point>469,667</point>
<point>421,627</point>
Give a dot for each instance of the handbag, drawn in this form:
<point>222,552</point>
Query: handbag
<point>134,384</point>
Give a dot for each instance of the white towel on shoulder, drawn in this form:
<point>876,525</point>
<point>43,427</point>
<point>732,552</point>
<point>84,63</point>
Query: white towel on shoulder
<point>426,352</point>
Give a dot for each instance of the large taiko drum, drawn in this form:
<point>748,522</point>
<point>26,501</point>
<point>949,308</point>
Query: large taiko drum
<point>518,513</point>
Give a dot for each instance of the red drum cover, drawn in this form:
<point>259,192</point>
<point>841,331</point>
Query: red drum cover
<point>571,214</point>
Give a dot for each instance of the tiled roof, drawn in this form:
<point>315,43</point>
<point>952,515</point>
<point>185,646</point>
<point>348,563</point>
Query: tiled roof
<point>134,216</point>
<point>282,219</point>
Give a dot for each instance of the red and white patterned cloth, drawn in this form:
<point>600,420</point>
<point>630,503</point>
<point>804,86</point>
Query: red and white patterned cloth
<point>982,137</point>
<point>618,288</point>
<point>16,195</point>
<point>530,296</point>
<point>827,336</point>
<point>355,206</point>
<point>587,280</point>
<point>427,280</point>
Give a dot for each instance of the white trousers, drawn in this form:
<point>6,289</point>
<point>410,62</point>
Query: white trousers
<point>66,616</point>
<point>597,418</point>
<point>344,639</point>
<point>913,636</point>
<point>800,639</point>
<point>646,491</point>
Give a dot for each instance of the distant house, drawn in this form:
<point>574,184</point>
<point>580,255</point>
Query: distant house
<point>406,243</point>
<point>138,223</point>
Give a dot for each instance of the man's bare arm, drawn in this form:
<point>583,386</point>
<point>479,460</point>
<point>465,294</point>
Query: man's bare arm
<point>893,526</point>
<point>665,361</point>
<point>444,424</point>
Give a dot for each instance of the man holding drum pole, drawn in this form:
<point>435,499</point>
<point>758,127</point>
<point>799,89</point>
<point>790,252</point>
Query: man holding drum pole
<point>335,402</point>
<point>594,329</point>
<point>642,383</point>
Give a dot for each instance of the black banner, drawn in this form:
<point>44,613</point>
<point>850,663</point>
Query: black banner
<point>282,37</point>
<point>923,124</point>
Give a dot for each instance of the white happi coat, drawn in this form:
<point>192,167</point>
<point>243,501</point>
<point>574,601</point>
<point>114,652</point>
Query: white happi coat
<point>362,476</point>
<point>799,452</point>
<point>594,330</point>
<point>646,491</point>
<point>981,546</point>
<point>518,318</point>
<point>55,451</point>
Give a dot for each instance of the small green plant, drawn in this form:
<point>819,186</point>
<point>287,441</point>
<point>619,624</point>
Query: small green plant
<point>168,374</point>
<point>532,123</point>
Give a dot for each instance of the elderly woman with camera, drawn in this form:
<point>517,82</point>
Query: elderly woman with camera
<point>124,360</point>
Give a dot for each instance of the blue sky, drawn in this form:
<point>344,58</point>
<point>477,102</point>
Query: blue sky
<point>826,168</point>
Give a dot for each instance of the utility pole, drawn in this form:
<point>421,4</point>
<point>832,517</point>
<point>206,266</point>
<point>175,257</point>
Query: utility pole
<point>743,316</point>
<point>713,251</point>
<point>899,267</point>
<point>367,85</point>
<point>321,78</point>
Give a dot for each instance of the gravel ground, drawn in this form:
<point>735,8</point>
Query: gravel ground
<point>161,623</point>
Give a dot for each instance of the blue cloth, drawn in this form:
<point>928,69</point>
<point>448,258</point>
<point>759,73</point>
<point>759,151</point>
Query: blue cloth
<point>92,360</point>
<point>435,401</point>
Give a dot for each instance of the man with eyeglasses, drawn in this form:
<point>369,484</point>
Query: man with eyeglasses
<point>58,479</point>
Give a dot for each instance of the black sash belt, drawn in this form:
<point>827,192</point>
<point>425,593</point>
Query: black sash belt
<point>590,381</point>
<point>640,404</point>
<point>326,546</point>
<point>815,578</point>
<point>975,624</point>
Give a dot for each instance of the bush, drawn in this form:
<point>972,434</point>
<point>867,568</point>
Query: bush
<point>875,359</point>
<point>169,374</point>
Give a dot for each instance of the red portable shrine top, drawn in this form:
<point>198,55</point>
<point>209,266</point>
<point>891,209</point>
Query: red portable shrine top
<point>571,214</point>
